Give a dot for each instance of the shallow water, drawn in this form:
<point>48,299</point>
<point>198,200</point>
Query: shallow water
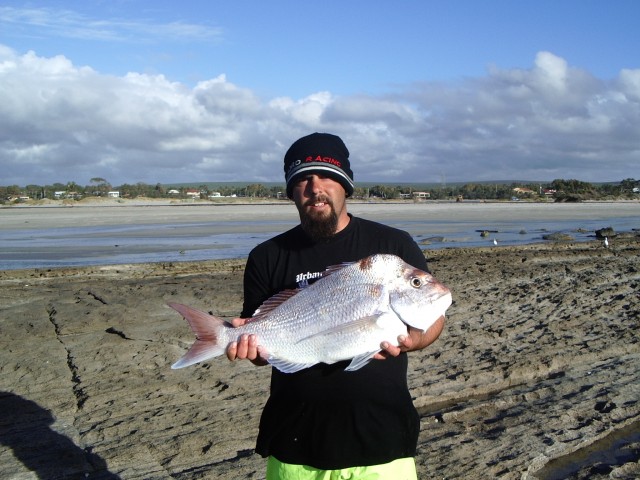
<point>600,457</point>
<point>175,240</point>
<point>111,245</point>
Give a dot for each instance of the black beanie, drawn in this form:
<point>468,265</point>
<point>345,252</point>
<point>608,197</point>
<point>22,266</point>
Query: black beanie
<point>322,153</point>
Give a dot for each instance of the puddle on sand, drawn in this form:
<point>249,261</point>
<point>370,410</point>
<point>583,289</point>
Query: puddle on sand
<point>614,450</point>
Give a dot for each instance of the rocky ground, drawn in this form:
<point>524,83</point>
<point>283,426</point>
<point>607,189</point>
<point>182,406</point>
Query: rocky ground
<point>537,374</point>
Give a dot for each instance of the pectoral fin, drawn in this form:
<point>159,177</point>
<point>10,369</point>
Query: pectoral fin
<point>286,366</point>
<point>360,361</point>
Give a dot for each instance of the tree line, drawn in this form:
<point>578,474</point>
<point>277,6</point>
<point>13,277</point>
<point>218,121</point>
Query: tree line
<point>559,190</point>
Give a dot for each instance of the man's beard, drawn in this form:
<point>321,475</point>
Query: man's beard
<point>320,227</point>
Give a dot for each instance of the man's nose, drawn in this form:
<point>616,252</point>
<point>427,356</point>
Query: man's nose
<point>314,184</point>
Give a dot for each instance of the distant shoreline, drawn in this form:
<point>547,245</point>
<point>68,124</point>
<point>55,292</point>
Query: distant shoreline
<point>150,211</point>
<point>139,233</point>
<point>165,202</point>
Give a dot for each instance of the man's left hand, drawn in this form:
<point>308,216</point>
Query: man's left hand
<point>415,340</point>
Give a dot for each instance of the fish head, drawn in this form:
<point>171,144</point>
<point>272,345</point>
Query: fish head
<point>418,299</point>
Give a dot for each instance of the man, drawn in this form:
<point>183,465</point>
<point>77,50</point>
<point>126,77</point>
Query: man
<point>324,419</point>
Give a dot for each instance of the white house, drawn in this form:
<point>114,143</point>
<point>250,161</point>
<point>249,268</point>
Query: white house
<point>421,195</point>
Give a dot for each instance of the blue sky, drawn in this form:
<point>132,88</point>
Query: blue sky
<point>190,91</point>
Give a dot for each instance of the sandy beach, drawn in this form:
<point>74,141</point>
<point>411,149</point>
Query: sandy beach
<point>91,212</point>
<point>536,376</point>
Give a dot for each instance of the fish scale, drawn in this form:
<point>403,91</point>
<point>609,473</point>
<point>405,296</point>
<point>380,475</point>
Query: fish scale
<point>344,315</point>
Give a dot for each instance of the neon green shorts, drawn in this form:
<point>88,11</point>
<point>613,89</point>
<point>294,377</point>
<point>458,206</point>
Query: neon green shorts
<point>401,469</point>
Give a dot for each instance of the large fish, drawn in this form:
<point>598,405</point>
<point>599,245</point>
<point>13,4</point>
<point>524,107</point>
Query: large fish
<point>344,315</point>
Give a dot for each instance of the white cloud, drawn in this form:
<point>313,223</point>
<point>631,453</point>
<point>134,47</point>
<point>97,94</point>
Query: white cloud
<point>307,111</point>
<point>71,24</point>
<point>60,122</point>
<point>630,85</point>
<point>551,71</point>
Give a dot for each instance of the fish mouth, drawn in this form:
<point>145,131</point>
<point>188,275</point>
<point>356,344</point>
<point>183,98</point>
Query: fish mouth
<point>445,301</point>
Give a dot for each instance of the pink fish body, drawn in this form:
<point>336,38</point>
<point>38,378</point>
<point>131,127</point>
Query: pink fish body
<point>344,315</point>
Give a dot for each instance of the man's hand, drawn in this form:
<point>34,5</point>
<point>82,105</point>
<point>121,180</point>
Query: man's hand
<point>246,347</point>
<point>415,340</point>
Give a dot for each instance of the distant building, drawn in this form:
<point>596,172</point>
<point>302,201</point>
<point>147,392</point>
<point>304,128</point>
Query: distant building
<point>421,195</point>
<point>65,194</point>
<point>18,198</point>
<point>114,194</point>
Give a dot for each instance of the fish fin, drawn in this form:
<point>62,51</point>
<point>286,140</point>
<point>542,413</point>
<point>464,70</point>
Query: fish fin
<point>206,328</point>
<point>346,327</point>
<point>286,366</point>
<point>336,268</point>
<point>198,352</point>
<point>360,361</point>
<point>279,298</point>
<point>274,302</point>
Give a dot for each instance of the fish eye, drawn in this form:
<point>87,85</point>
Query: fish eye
<point>415,282</point>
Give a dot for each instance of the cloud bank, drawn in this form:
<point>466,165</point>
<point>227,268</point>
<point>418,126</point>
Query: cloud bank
<point>62,122</point>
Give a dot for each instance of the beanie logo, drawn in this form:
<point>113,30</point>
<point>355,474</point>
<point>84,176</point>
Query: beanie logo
<point>319,158</point>
<point>293,165</point>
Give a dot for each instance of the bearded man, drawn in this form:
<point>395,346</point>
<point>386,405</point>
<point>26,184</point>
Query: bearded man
<point>325,422</point>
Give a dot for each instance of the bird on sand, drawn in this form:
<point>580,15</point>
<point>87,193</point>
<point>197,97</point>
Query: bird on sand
<point>606,242</point>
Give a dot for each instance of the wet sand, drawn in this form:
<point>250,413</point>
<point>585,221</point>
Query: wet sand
<point>537,374</point>
<point>91,212</point>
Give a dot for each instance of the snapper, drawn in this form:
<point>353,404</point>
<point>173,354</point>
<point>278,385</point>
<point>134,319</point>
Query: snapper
<point>344,315</point>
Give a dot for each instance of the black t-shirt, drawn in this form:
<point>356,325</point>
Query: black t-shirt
<point>324,416</point>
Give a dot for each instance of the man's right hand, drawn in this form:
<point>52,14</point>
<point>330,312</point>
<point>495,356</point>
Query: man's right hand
<point>246,347</point>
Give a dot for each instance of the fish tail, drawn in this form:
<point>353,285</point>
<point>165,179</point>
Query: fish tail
<point>206,328</point>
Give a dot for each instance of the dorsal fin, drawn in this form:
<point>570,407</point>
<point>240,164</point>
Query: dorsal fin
<point>336,268</point>
<point>279,298</point>
<point>273,302</point>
